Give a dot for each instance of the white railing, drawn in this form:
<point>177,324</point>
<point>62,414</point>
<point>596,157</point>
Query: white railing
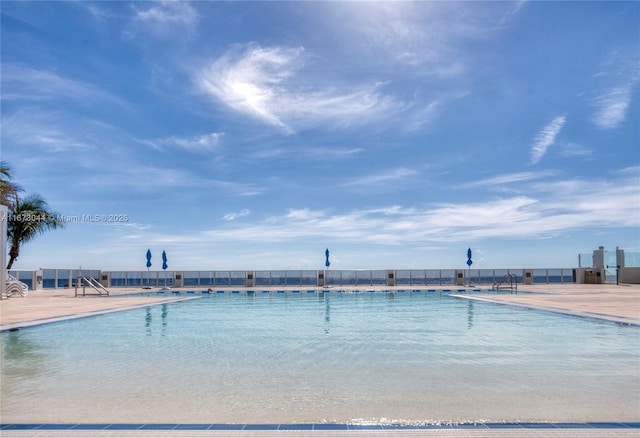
<point>66,278</point>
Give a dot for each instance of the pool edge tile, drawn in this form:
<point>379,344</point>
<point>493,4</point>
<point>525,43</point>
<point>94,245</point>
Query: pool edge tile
<point>159,426</point>
<point>193,426</point>
<point>261,426</point>
<point>296,426</point>
<point>226,426</point>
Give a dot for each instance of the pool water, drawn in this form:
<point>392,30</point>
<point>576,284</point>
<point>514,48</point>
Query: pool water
<point>345,358</point>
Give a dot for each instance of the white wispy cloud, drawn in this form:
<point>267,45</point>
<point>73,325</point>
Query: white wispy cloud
<point>148,179</point>
<point>43,132</point>
<point>205,142</point>
<point>397,174</point>
<point>421,111</point>
<point>236,215</point>
<point>618,80</point>
<point>250,82</point>
<point>423,35</point>
<point>24,83</point>
<point>424,116</point>
<point>546,138</point>
<point>199,143</point>
<point>593,203</point>
<point>98,13</point>
<point>306,153</point>
<point>331,153</point>
<point>612,106</point>
<point>512,11</point>
<point>553,208</point>
<point>268,83</point>
<point>399,31</point>
<point>575,150</point>
<point>57,140</point>
<point>167,17</point>
<point>632,171</point>
<point>504,179</point>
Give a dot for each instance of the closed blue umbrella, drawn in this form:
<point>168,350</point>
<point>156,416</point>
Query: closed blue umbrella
<point>469,263</point>
<point>326,263</point>
<point>148,259</point>
<point>164,266</point>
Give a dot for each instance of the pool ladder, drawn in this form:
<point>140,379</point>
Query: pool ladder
<point>513,283</point>
<point>91,282</point>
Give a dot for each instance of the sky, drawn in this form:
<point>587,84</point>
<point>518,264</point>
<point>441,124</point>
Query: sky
<point>255,135</point>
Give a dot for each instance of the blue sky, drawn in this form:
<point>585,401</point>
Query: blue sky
<point>250,135</point>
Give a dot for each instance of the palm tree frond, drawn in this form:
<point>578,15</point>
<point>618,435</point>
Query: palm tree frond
<point>29,217</point>
<point>8,189</point>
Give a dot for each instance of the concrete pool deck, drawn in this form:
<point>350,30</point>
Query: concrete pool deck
<point>618,303</point>
<point>41,307</point>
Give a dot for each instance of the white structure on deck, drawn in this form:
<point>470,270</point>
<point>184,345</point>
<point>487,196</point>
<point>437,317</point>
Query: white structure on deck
<point>604,263</point>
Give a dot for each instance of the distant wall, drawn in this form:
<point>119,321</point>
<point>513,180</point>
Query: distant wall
<point>629,275</point>
<point>66,278</point>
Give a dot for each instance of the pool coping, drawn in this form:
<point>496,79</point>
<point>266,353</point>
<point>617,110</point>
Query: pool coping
<point>313,426</point>
<point>72,316</point>
<point>556,310</point>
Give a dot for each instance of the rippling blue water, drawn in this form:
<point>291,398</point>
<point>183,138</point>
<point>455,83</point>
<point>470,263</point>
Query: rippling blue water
<point>308,358</point>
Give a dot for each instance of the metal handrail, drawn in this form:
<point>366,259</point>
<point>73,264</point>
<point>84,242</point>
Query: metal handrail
<point>93,283</point>
<point>510,277</point>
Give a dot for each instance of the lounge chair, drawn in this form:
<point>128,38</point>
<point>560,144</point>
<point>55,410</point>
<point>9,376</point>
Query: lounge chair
<point>15,287</point>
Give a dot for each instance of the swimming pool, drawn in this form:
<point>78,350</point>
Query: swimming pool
<point>307,358</point>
